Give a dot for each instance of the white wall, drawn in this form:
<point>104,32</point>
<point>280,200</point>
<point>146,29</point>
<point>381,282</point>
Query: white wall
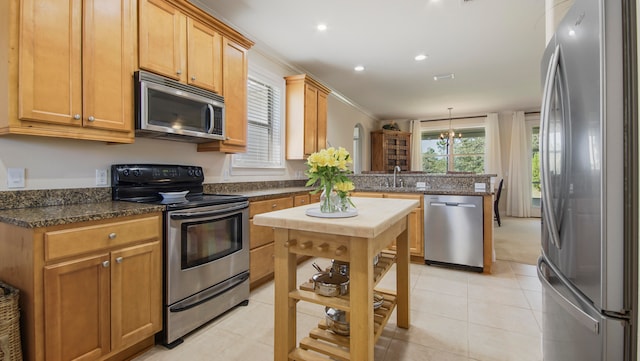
<point>52,163</point>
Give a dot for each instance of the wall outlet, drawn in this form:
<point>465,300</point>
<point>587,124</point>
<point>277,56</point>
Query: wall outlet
<point>101,177</point>
<point>15,177</point>
<point>421,184</point>
<point>480,187</point>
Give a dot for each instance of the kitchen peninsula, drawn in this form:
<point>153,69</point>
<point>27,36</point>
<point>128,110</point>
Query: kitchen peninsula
<point>356,240</point>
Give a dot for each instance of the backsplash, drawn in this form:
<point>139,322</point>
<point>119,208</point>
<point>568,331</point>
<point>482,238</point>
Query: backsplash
<point>436,182</point>
<point>59,197</point>
<point>53,197</point>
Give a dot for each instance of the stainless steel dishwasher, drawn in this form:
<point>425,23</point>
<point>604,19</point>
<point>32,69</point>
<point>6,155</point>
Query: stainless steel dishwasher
<point>453,231</point>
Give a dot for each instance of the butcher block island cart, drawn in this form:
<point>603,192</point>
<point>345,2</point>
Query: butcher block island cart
<point>356,240</point>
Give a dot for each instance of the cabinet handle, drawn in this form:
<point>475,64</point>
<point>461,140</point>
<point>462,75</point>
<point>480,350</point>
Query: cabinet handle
<point>193,78</point>
<point>105,264</point>
<point>76,116</point>
<point>113,235</point>
<point>119,260</point>
<point>178,72</point>
<point>289,243</point>
<point>91,118</point>
<point>274,205</point>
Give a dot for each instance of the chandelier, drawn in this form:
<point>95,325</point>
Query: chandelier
<point>450,134</point>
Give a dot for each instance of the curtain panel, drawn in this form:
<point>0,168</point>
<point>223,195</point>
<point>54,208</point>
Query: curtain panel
<point>518,182</point>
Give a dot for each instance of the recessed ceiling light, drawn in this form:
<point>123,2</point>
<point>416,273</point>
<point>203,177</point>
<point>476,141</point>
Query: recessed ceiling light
<point>322,27</point>
<point>359,68</point>
<point>420,57</point>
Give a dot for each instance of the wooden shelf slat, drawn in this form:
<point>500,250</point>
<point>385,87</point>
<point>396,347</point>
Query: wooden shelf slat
<point>310,296</point>
<point>304,355</point>
<point>333,351</point>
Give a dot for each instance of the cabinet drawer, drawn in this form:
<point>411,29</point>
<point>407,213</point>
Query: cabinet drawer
<point>269,205</point>
<point>301,200</point>
<point>79,240</point>
<point>259,235</point>
<point>261,262</point>
<point>314,198</point>
<point>367,194</point>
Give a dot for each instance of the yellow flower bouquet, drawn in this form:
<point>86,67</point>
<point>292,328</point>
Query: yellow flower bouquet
<point>327,171</point>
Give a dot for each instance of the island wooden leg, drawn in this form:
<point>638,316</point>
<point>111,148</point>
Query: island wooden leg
<point>284,310</point>
<point>361,297</point>
<point>402,278</point>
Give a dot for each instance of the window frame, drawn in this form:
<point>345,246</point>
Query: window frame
<point>436,127</point>
<point>248,167</point>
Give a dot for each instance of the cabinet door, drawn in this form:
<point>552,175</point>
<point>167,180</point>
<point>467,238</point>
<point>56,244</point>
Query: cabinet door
<point>234,72</point>
<point>161,38</point>
<point>310,119</point>
<point>50,70</point>
<point>261,263</point>
<point>76,309</point>
<point>204,62</point>
<point>108,64</point>
<point>321,129</point>
<point>415,225</point>
<point>136,294</point>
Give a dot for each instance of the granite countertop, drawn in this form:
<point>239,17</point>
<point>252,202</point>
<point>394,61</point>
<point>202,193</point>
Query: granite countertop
<point>438,191</point>
<point>37,217</point>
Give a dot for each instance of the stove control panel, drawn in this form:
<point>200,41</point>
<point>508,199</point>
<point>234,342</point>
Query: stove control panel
<point>149,174</point>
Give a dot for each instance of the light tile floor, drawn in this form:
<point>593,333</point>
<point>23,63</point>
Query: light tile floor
<point>455,316</point>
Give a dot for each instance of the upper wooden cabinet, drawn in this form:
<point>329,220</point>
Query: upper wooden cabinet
<point>182,42</point>
<point>234,75</point>
<point>390,148</point>
<point>178,46</point>
<point>69,67</point>
<point>306,116</point>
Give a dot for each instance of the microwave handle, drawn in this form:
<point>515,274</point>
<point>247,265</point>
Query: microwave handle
<point>210,119</point>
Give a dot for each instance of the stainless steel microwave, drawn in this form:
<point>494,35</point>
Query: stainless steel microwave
<point>167,109</point>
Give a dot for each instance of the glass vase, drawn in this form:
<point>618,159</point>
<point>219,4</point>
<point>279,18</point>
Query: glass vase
<point>344,204</point>
<point>329,200</point>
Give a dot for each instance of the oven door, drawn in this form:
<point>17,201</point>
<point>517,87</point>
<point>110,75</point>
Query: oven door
<point>205,246</point>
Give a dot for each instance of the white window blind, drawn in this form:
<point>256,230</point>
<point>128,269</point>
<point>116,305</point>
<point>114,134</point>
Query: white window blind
<point>264,136</point>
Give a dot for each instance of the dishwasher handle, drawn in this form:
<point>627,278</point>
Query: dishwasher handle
<point>452,204</point>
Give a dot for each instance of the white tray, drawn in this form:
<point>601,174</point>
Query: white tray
<point>315,212</point>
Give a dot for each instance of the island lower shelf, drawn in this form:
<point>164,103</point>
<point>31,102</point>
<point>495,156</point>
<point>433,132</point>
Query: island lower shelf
<point>323,344</point>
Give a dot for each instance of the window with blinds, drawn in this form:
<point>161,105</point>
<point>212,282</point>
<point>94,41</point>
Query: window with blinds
<point>264,137</point>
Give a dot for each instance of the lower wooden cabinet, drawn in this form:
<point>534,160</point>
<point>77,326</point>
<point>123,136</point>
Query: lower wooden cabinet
<point>261,238</point>
<point>90,290</point>
<point>261,263</point>
<point>416,221</point>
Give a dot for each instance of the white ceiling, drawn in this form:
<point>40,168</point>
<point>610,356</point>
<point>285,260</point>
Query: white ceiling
<point>492,46</point>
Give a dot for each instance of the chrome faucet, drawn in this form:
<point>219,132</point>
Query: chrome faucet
<point>396,168</point>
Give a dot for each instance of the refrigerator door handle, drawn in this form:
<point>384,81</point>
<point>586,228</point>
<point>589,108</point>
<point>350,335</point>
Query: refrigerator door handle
<point>546,109</point>
<point>578,314</point>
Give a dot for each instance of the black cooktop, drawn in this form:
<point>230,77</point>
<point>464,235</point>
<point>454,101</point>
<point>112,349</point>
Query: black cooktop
<point>143,183</point>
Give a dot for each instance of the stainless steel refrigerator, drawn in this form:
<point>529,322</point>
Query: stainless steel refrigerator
<point>589,174</point>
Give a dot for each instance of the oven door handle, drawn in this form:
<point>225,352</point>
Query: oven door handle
<point>210,294</point>
<point>204,214</point>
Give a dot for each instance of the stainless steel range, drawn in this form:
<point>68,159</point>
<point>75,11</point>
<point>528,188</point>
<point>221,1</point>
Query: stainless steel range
<point>206,243</point>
